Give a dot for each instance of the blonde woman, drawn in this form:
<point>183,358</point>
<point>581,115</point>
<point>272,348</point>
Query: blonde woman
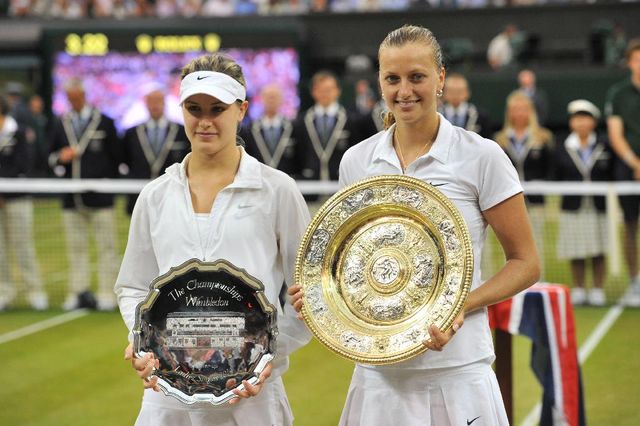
<point>529,146</point>
<point>452,383</point>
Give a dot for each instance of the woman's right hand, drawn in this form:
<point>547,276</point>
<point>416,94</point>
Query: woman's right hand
<point>295,292</point>
<point>144,367</point>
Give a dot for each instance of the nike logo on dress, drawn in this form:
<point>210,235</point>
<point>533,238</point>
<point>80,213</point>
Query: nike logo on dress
<point>471,421</point>
<point>201,77</point>
<point>437,184</point>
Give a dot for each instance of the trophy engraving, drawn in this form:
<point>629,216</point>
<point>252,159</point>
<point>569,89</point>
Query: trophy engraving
<point>318,246</point>
<point>210,326</point>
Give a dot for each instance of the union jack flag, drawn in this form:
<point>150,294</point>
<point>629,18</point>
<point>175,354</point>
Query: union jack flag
<point>544,314</point>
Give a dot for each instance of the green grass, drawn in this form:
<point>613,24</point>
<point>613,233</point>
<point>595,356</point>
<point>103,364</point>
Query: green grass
<point>70,374</point>
<point>74,373</point>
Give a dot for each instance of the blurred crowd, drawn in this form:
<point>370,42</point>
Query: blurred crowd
<point>123,9</point>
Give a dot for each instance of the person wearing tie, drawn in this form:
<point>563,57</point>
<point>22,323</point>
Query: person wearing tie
<point>527,83</point>
<point>459,111</point>
<point>84,145</point>
<point>323,132</point>
<point>530,148</point>
<point>150,147</point>
<point>584,156</point>
<point>269,139</point>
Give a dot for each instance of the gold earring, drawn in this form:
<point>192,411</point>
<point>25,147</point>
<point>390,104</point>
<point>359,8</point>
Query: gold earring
<point>439,93</point>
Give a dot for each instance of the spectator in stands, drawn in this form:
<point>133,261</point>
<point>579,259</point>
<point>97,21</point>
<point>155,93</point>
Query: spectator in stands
<point>530,148</point>
<point>614,46</point>
<point>459,111</point>
<point>623,122</point>
<point>144,8</point>
<point>287,7</point>
<point>323,132</point>
<point>319,5</point>
<point>454,377</point>
<point>527,84</point>
<point>584,156</point>
<point>40,8</point>
<point>369,114</point>
<point>500,53</point>
<point>16,217</point>
<point>68,9</point>
<point>84,145</point>
<point>19,110</point>
<point>20,8</point>
<point>373,122</point>
<point>245,207</point>
<point>365,96</point>
<point>218,8</point>
<point>150,147</point>
<point>118,9</point>
<point>246,7</point>
<point>269,138</point>
<point>168,8</point>
<point>190,8</point>
<point>473,3</point>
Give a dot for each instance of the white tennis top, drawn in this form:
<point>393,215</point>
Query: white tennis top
<point>475,174</point>
<point>256,223</point>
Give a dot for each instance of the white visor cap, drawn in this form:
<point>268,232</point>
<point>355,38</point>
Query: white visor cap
<point>216,84</point>
<point>583,106</point>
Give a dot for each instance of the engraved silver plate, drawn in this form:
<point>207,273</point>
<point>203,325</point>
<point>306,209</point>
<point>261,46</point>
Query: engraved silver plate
<point>210,326</point>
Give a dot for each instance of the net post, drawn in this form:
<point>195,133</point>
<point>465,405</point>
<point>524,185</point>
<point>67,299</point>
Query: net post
<point>504,371</point>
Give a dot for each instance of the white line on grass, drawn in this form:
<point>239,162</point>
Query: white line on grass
<point>585,350</point>
<point>42,325</point>
<point>600,331</point>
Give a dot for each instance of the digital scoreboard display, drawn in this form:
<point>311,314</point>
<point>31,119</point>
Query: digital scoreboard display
<point>117,71</point>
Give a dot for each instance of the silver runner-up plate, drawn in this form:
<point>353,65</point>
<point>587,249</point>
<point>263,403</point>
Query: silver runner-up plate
<point>382,260</point>
<point>210,325</point>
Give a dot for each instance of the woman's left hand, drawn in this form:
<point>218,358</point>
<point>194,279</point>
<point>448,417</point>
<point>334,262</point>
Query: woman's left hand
<point>438,338</point>
<point>249,389</point>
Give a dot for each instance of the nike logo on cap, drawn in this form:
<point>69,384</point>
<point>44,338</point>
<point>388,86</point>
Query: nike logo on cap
<point>471,421</point>
<point>202,77</point>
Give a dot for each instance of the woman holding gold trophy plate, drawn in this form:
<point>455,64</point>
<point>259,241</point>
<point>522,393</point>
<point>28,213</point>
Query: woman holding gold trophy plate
<point>452,382</point>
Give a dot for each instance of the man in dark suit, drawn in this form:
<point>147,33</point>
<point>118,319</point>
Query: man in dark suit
<point>372,122</point>
<point>323,132</point>
<point>16,217</point>
<point>527,83</point>
<point>459,111</point>
<point>84,145</point>
<point>269,139</point>
<point>150,147</point>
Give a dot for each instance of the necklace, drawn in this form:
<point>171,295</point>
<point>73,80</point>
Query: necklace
<point>403,164</point>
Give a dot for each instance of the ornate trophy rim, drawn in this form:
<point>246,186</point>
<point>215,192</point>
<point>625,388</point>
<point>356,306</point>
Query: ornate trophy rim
<point>330,267</point>
<point>216,266</point>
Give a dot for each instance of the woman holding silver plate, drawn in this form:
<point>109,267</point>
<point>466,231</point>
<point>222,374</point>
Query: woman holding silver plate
<point>219,203</point>
<point>452,382</point>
